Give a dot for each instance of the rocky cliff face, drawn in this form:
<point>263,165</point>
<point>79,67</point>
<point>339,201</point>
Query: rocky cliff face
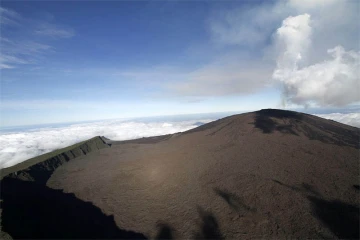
<point>47,163</point>
<point>25,184</point>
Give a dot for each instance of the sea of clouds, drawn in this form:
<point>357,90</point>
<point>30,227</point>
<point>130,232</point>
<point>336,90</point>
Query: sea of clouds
<point>19,145</point>
<point>352,119</point>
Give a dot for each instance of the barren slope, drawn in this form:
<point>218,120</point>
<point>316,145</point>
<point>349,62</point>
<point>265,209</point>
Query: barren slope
<point>267,174</point>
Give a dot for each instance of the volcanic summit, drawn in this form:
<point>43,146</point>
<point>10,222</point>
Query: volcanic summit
<point>265,174</point>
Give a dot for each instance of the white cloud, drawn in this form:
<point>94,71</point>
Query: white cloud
<point>9,17</point>
<point>333,82</point>
<point>352,119</point>
<point>19,146</point>
<point>11,59</point>
<point>293,39</point>
<point>303,33</point>
<point>16,51</point>
<point>226,76</point>
<point>5,66</point>
<point>246,26</point>
<point>311,4</point>
<point>223,79</point>
<point>53,31</point>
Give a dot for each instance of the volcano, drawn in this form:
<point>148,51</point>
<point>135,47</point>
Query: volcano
<point>265,174</point>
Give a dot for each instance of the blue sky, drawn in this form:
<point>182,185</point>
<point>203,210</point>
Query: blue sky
<point>74,60</point>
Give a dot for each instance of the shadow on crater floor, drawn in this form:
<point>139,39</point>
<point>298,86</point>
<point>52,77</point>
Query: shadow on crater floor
<point>31,210</point>
<point>208,227</point>
<point>341,218</point>
<point>165,231</point>
<point>234,201</point>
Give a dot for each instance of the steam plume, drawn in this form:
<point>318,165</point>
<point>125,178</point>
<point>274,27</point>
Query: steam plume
<point>331,82</point>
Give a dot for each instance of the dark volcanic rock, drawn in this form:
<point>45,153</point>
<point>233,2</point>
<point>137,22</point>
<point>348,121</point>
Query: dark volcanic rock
<point>268,174</point>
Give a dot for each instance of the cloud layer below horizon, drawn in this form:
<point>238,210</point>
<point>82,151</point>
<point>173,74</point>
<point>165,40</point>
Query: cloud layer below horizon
<point>16,147</point>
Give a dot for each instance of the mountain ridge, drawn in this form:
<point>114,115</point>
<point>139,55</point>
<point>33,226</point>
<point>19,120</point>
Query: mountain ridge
<point>264,174</point>
<point>264,120</point>
<point>48,162</point>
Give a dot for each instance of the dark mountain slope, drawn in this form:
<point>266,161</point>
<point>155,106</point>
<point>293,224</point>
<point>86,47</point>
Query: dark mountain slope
<point>30,209</point>
<point>266,174</point>
<point>289,122</point>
